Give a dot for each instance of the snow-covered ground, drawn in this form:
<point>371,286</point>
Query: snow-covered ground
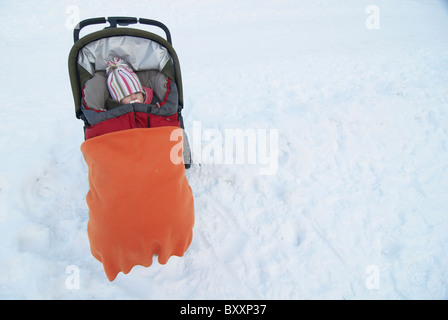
<point>353,95</point>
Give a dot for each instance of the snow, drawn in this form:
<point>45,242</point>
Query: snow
<point>356,207</point>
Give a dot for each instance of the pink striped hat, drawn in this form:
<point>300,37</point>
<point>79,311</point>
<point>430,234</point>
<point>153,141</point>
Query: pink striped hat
<point>121,80</point>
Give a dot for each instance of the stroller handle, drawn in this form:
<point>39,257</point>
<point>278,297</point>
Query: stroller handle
<point>121,21</point>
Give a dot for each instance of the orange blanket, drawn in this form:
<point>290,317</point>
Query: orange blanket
<point>140,202</point>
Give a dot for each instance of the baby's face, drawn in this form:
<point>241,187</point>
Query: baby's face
<point>133,98</point>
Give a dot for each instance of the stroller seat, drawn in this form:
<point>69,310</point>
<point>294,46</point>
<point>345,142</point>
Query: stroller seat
<point>154,62</point>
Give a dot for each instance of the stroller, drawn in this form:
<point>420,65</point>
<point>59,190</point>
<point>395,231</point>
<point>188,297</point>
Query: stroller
<point>140,202</point>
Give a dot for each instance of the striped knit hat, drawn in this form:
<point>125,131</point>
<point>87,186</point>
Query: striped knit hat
<point>121,80</point>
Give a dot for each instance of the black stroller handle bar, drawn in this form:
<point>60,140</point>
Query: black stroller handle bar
<point>121,21</point>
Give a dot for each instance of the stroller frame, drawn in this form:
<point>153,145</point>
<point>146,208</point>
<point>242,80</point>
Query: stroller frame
<point>140,202</point>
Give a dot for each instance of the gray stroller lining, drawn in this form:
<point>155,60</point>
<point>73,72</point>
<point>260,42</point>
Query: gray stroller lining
<point>139,53</point>
<point>146,57</point>
<point>96,93</point>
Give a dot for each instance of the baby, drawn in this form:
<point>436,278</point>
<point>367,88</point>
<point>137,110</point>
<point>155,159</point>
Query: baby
<point>124,85</point>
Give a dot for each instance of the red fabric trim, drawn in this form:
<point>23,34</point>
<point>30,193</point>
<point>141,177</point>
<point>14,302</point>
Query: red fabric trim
<point>159,121</point>
<point>85,104</point>
<point>123,122</point>
<point>168,84</point>
<point>149,95</point>
<point>129,121</point>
